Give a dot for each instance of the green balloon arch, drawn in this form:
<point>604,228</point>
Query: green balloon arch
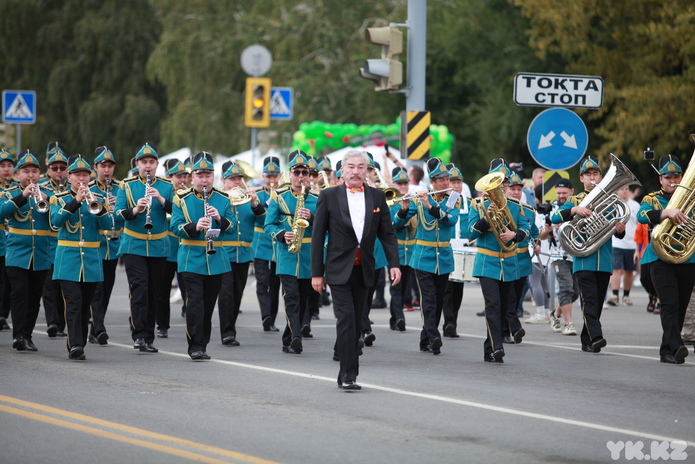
<point>317,137</point>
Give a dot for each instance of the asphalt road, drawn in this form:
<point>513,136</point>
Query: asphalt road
<point>549,401</point>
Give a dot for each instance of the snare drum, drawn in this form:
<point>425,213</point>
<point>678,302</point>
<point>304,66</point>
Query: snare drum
<point>463,265</point>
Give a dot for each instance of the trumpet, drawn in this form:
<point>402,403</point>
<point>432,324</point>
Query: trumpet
<point>211,246</point>
<point>412,196</point>
<point>107,182</point>
<point>148,216</point>
<point>93,205</point>
<point>41,204</point>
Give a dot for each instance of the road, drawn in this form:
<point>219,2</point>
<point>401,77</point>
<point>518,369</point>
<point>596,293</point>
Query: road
<point>549,401</point>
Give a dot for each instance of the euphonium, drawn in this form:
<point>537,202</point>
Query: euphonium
<point>583,236</point>
<point>299,225</point>
<point>501,219</point>
<point>391,193</point>
<point>675,243</point>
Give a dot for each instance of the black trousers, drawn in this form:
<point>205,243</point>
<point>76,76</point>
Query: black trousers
<point>145,275</point>
<point>496,295</point>
<point>102,296</point>
<point>4,290</point>
<point>349,302</point>
<point>27,287</point>
<point>78,299</point>
<point>312,307</point>
<point>296,293</point>
<point>233,284</point>
<point>201,295</point>
<point>53,305</point>
<point>267,288</point>
<point>592,292</point>
<point>399,295</point>
<point>432,288</point>
<point>511,323</point>
<point>453,296</point>
<point>645,278</point>
<point>674,285</point>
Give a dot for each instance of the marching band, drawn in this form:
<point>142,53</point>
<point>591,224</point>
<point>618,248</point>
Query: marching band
<point>65,234</point>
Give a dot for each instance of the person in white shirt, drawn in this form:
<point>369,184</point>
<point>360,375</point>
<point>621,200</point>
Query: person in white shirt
<point>624,264</point>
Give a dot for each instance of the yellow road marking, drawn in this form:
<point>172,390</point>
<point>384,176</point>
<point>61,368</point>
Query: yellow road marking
<point>127,429</point>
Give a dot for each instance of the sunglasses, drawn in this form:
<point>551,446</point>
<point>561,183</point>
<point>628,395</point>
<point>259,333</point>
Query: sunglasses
<point>300,172</point>
<point>58,168</point>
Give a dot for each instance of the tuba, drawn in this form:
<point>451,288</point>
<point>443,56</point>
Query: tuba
<point>299,225</point>
<point>501,218</point>
<point>583,236</point>
<point>675,243</point>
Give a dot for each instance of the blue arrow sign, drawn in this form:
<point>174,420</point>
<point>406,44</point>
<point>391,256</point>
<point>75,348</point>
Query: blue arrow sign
<point>18,106</point>
<point>557,139</point>
<point>281,102</point>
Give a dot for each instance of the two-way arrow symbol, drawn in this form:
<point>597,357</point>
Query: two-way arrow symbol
<point>546,140</point>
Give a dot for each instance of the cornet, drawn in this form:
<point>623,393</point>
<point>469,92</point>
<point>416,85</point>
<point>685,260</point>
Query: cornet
<point>93,205</point>
<point>41,204</point>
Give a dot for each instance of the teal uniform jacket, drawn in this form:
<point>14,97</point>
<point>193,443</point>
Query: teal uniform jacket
<point>405,238</point>
<point>522,251</point>
<point>650,214</point>
<point>263,245</point>
<point>379,255</point>
<point>3,225</point>
<point>53,188</point>
<point>109,248</point>
<point>135,239</point>
<point>239,240</point>
<point>490,261</point>
<point>192,255</point>
<point>601,260</point>
<point>432,250</point>
<point>279,219</point>
<point>29,233</point>
<point>78,253</point>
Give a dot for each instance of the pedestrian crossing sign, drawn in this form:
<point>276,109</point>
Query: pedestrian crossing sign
<point>281,100</point>
<point>18,106</point>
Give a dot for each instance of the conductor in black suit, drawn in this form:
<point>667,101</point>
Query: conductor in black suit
<point>351,216</point>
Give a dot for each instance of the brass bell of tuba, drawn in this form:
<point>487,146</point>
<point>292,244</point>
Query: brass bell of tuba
<point>584,236</point>
<point>675,243</point>
<point>501,218</point>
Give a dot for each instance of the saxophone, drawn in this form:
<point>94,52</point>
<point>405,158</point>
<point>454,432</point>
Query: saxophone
<point>675,243</point>
<point>299,225</point>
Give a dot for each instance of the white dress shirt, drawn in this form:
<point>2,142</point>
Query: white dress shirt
<point>356,205</point>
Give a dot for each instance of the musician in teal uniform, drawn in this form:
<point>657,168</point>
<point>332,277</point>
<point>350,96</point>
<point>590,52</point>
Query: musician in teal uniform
<point>78,214</point>
<point>237,242</point>
<point>594,271</point>
<point>27,256</point>
<point>264,265</point>
<point>406,239</point>
<point>105,185</point>
<point>143,203</point>
<point>201,259</point>
<point>673,281</point>
<point>6,171</point>
<point>55,182</point>
<point>495,267</point>
<point>294,268</point>
<point>432,258</point>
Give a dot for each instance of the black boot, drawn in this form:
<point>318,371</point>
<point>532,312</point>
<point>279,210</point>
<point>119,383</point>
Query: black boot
<point>379,302</point>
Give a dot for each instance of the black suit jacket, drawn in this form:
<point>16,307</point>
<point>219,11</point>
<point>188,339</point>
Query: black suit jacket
<point>332,218</point>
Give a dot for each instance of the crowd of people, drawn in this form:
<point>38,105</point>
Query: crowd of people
<point>311,229</point>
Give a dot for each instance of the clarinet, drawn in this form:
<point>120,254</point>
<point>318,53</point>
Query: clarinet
<point>113,235</point>
<point>148,216</point>
<point>211,246</point>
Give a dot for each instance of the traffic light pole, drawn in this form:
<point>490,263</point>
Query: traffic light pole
<point>254,142</point>
<point>417,55</point>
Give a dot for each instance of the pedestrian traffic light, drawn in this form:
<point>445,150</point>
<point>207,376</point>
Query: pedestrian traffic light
<point>387,72</point>
<point>257,108</point>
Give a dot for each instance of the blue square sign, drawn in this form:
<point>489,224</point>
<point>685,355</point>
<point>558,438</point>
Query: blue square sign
<point>18,106</point>
<point>281,102</point>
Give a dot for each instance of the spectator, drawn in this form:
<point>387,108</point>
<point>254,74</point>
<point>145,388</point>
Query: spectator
<point>624,254</point>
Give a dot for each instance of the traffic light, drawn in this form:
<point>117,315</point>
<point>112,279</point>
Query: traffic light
<point>387,72</point>
<point>257,107</point>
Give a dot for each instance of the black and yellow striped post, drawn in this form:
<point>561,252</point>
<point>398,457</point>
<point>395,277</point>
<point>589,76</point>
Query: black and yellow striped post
<point>415,134</point>
<point>550,178</point>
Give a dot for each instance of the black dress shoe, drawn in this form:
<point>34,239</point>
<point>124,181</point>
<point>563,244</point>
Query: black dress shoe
<point>52,330</point>
<point>426,348</point>
<point>596,346</point>
<point>289,349</point>
<point>495,357</point>
<point>480,314</point>
<point>360,345</point>
<point>230,341</point>
<point>77,353</point>
<point>378,303</point>
<point>296,345</point>
<point>369,338</point>
<point>18,344</point>
<point>400,324</point>
<point>449,330</point>
<point>508,339</point>
<point>680,355</point>
<point>273,328</point>
<point>306,331</point>
<point>267,322</point>
<point>30,345</point>
<point>163,333</point>
<point>668,359</point>
<point>3,323</point>
<point>393,327</point>
<point>149,348</point>
<point>518,335</point>
<point>102,338</point>
<point>436,346</point>
<point>336,358</point>
<point>199,355</point>
<point>92,339</point>
<point>61,334</point>
<point>139,344</point>
<point>350,385</point>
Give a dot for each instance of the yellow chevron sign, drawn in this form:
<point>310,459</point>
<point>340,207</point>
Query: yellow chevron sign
<point>416,134</point>
<point>550,178</point>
